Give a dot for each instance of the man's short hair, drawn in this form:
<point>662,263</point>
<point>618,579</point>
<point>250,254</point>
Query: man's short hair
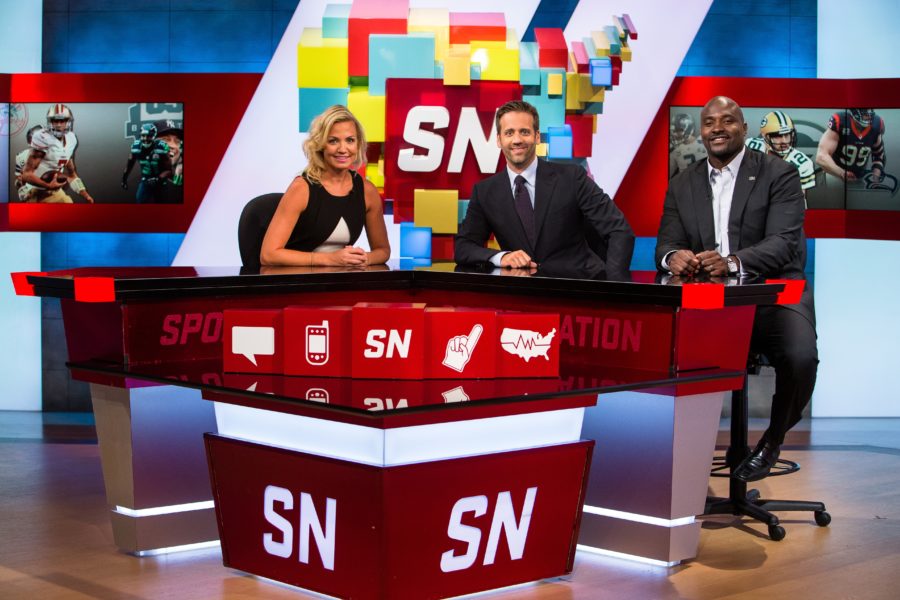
<point>517,106</point>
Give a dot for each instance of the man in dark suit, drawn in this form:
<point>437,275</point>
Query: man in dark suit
<point>741,212</point>
<point>540,212</point>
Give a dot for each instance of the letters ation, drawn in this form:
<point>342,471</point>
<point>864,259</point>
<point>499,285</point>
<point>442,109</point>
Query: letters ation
<point>504,519</point>
<point>375,343</point>
<point>309,523</point>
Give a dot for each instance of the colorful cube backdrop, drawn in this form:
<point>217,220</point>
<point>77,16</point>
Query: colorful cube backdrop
<point>445,74</point>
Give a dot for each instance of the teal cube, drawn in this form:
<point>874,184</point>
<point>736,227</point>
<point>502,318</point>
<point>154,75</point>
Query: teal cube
<point>529,70</point>
<point>463,209</point>
<point>335,21</point>
<point>409,56</point>
<point>314,101</point>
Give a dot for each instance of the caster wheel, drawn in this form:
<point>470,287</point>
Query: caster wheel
<point>822,518</point>
<point>776,533</point>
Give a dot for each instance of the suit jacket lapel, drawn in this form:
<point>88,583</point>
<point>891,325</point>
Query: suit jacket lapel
<point>743,185</point>
<point>543,193</point>
<point>703,205</point>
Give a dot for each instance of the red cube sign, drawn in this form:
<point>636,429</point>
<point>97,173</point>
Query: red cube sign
<point>252,341</point>
<point>388,340</point>
<point>317,341</point>
<point>460,343</point>
<point>528,345</point>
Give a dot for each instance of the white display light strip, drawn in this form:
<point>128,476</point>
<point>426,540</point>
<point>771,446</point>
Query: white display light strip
<point>172,549</point>
<point>401,445</point>
<point>631,557</point>
<point>163,510</point>
<point>638,518</point>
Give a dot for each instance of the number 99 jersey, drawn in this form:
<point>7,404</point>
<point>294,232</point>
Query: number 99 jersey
<point>858,141</point>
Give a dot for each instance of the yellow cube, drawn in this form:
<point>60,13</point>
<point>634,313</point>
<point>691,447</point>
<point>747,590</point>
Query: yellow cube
<point>375,173</point>
<point>573,81</point>
<point>601,42</point>
<point>438,209</point>
<point>587,92</point>
<point>542,149</point>
<point>499,60</point>
<point>432,20</point>
<point>456,65</point>
<point>555,84</point>
<point>626,53</point>
<point>369,110</point>
<point>321,62</point>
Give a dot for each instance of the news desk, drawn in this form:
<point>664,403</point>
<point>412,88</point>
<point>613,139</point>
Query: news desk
<point>399,488</point>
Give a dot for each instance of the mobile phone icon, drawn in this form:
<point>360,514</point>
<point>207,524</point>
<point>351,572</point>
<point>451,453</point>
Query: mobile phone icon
<point>317,344</point>
<point>317,395</point>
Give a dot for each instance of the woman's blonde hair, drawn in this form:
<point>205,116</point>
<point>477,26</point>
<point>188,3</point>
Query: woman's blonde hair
<point>318,137</point>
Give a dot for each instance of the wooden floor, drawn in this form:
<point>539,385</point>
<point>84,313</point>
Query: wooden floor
<point>56,541</point>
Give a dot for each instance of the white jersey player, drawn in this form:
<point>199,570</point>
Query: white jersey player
<point>50,165</point>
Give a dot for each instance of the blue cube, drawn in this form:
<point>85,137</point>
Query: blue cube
<point>601,71</point>
<point>415,242</point>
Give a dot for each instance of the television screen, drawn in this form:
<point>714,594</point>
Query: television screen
<point>100,153</point>
<point>842,155</point>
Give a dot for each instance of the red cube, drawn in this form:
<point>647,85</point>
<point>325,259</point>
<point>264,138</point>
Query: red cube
<point>461,343</point>
<point>388,340</point>
<point>252,341</point>
<point>529,344</point>
<point>317,341</point>
<point>552,48</point>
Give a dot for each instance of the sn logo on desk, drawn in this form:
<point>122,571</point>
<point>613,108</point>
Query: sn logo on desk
<point>392,341</point>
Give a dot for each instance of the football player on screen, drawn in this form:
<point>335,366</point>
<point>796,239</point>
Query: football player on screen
<point>50,165</point>
<point>156,167</point>
<point>852,139</point>
<point>684,146</point>
<point>24,189</point>
<point>778,136</point>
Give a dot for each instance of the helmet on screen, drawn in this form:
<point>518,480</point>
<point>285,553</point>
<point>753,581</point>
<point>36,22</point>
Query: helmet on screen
<point>681,128</point>
<point>863,116</point>
<point>777,130</point>
<point>148,134</point>
<point>60,120</point>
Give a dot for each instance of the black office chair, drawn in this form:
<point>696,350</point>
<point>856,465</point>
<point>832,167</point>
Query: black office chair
<point>739,500</point>
<point>252,226</point>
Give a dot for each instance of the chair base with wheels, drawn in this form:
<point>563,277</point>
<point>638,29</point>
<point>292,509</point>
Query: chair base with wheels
<point>742,502</point>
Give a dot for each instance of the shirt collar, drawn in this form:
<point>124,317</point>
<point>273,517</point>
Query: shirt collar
<point>530,173</point>
<point>734,166</point>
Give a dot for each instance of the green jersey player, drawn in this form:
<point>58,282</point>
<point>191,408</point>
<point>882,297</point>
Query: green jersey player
<point>778,136</point>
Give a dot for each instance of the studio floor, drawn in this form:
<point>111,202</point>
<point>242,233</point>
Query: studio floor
<point>56,540</point>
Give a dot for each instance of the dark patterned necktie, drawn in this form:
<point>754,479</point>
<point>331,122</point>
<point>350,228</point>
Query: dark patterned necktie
<point>524,208</point>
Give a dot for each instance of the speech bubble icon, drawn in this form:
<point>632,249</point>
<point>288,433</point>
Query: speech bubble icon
<point>253,341</point>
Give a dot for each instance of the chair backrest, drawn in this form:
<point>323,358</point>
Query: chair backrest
<point>253,224</point>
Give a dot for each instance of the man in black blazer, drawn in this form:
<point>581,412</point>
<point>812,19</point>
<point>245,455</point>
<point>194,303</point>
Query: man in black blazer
<point>541,213</point>
<point>741,212</point>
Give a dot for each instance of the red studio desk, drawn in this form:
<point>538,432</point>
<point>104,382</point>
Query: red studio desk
<point>393,488</point>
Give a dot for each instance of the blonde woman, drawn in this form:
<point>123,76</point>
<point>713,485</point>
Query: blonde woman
<point>325,209</point>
